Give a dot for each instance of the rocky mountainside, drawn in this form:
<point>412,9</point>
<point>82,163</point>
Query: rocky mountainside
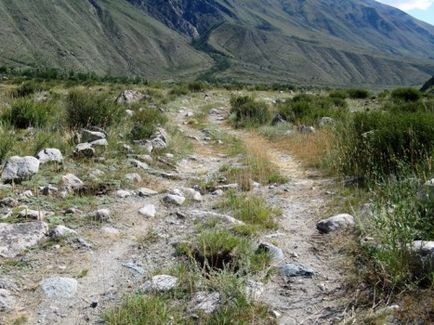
<point>351,42</point>
<point>429,85</point>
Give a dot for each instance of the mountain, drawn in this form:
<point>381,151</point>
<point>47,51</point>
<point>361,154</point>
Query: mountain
<point>320,42</point>
<point>428,86</point>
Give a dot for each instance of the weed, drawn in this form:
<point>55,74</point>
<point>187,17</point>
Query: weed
<point>146,122</point>
<point>25,113</point>
<point>247,112</point>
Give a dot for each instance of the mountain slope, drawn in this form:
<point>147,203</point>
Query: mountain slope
<point>333,42</point>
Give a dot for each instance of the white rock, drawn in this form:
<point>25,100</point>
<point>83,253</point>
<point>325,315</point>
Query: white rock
<point>101,215</point>
<point>133,177</point>
<point>161,283</point>
<point>71,183</point>
<point>18,169</point>
<point>33,214</point>
<point>61,231</point>
<point>138,164</point>
<point>206,302</point>
<point>148,211</point>
<point>15,238</point>
<point>145,192</point>
<point>122,194</point>
<point>334,223</point>
<point>129,113</point>
<point>174,199</point>
<point>99,143</point>
<point>192,194</point>
<point>59,287</point>
<point>50,155</point>
<point>7,300</point>
<point>90,136</point>
<point>129,97</point>
<point>84,150</point>
<point>254,290</point>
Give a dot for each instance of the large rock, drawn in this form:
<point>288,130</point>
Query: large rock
<point>50,155</point>
<point>339,221</point>
<point>15,238</point>
<point>160,283</point>
<point>130,97</point>
<point>59,287</point>
<point>18,169</point>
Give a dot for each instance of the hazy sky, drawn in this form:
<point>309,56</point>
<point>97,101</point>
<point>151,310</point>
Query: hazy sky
<point>422,9</point>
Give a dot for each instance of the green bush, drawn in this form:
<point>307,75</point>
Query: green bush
<point>196,86</point>
<point>85,109</point>
<point>248,112</point>
<point>406,94</point>
<point>146,122</point>
<point>357,93</point>
<point>25,113</point>
<point>7,142</point>
<point>422,105</point>
<point>27,88</point>
<point>379,144</point>
<point>308,109</point>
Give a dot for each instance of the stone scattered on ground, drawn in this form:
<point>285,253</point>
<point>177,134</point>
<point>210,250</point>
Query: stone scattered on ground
<point>7,300</point>
<point>102,215</point>
<point>425,252</point>
<point>88,136</point>
<point>139,164</point>
<point>15,238</point>
<point>84,150</point>
<point>8,202</point>
<point>33,214</point>
<point>48,190</point>
<point>145,192</point>
<point>254,290</point>
<point>273,251</point>
<point>192,194</point>
<point>130,97</point>
<point>206,302</point>
<point>61,231</point>
<point>148,211</point>
<point>59,287</point>
<point>18,169</point>
<point>295,270</point>
<point>50,155</point>
<point>122,194</point>
<point>174,199</point>
<point>71,183</point>
<point>135,267</point>
<point>133,177</point>
<point>336,222</point>
<point>227,219</point>
<point>160,283</point>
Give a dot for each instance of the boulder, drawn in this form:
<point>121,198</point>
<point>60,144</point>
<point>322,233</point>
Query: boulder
<point>18,169</point>
<point>160,283</point>
<point>59,287</point>
<point>15,238</point>
<point>148,211</point>
<point>339,221</point>
<point>50,155</point>
<point>99,143</point>
<point>159,140</point>
<point>274,252</point>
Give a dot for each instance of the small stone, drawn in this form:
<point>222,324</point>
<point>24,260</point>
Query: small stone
<point>145,192</point>
<point>61,231</point>
<point>295,270</point>
<point>138,164</point>
<point>84,150</point>
<point>71,183</point>
<point>122,194</point>
<point>49,190</point>
<point>192,194</point>
<point>174,199</point>
<point>90,136</point>
<point>26,194</point>
<point>33,214</point>
<point>133,266</point>
<point>334,223</point>
<point>161,283</point>
<point>59,287</point>
<point>275,252</point>
<point>254,290</point>
<point>206,302</point>
<point>101,215</point>
<point>148,211</point>
<point>50,155</point>
<point>99,143</point>
<point>7,300</point>
<point>8,202</point>
<point>133,177</point>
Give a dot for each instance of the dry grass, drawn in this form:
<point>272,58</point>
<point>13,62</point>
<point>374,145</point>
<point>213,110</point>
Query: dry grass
<point>310,149</point>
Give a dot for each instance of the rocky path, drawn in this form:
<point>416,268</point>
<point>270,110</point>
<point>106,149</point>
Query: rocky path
<point>115,257</point>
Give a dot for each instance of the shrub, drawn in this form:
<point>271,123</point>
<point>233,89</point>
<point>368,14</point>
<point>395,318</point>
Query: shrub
<point>146,122</point>
<point>308,109</point>
<point>7,141</point>
<point>196,86</point>
<point>357,93</point>
<point>379,144</point>
<point>406,94</point>
<point>85,109</point>
<point>27,88</point>
<point>25,113</point>
<point>248,112</point>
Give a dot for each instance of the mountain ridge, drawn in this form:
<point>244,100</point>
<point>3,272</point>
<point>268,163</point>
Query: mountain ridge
<point>321,42</point>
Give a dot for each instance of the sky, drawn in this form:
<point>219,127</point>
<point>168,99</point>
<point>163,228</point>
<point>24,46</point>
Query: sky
<point>421,9</point>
